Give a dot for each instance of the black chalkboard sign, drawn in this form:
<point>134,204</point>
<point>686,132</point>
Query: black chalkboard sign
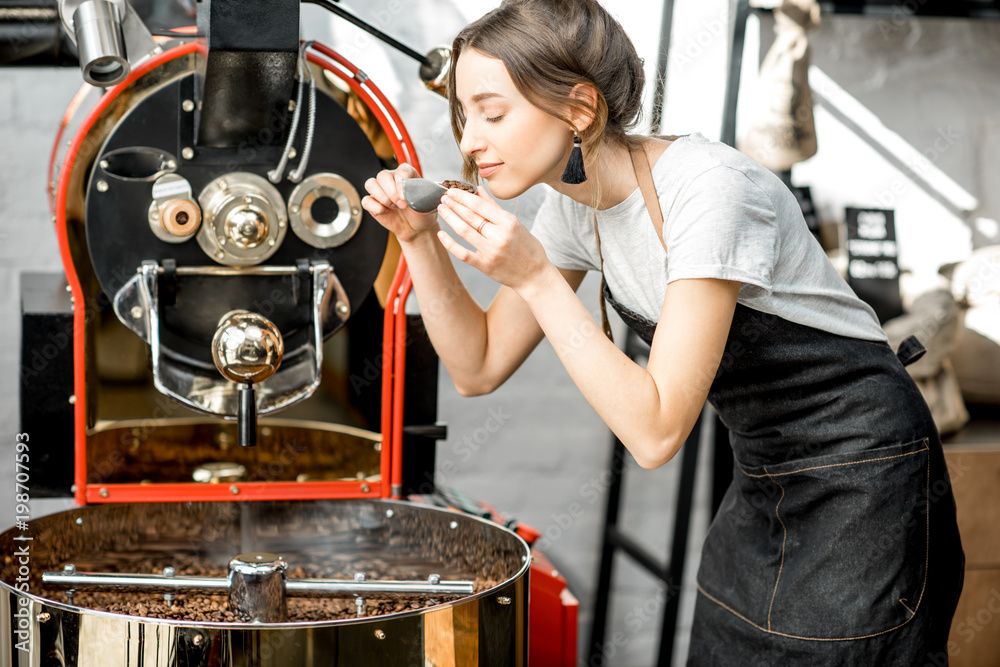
<point>872,266</point>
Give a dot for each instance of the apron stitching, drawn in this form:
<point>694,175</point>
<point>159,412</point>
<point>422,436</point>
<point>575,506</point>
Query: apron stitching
<point>902,601</point>
<point>835,465</point>
<point>785,634</point>
<point>784,539</point>
<point>927,559</point>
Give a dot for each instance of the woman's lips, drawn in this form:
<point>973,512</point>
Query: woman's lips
<point>487,170</point>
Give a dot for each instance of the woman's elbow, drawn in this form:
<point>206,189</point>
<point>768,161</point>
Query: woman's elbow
<point>656,453</point>
<point>476,387</point>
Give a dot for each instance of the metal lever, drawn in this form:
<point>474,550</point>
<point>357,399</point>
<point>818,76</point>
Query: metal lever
<point>257,586</point>
<point>247,348</point>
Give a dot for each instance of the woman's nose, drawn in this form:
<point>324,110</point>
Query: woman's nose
<point>471,141</point>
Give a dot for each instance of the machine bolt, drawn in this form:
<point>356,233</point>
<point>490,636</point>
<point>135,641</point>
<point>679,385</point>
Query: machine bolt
<point>235,490</point>
<point>342,308</point>
<point>169,572</point>
<point>291,105</point>
<point>365,488</point>
<point>187,153</point>
<point>104,493</point>
<point>220,255</point>
<point>355,210</point>
<point>294,208</point>
<point>503,599</point>
<point>187,105</point>
<point>69,568</point>
<point>453,525</point>
<point>72,399</point>
<point>434,579</point>
<point>359,576</point>
<point>102,186</point>
<point>379,634</point>
<point>43,617</point>
<point>292,153</point>
<point>197,640</point>
<point>388,514</point>
<point>79,520</point>
<point>171,164</point>
<point>104,164</point>
<point>270,242</point>
<point>136,312</point>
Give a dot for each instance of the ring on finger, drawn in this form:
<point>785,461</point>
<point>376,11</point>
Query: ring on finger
<point>482,224</point>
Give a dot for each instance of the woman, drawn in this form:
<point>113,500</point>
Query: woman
<point>836,543</point>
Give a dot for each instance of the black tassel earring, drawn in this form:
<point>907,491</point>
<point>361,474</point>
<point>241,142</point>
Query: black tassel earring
<point>574,168</point>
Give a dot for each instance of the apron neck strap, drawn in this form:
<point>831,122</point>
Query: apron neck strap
<point>643,174</point>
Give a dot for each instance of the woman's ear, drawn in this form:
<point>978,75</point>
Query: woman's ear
<point>583,103</point>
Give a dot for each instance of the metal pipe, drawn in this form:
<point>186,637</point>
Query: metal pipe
<point>100,42</point>
<point>306,588</point>
<point>333,7</point>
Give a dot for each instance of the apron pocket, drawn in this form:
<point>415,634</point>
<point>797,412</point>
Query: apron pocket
<point>835,546</point>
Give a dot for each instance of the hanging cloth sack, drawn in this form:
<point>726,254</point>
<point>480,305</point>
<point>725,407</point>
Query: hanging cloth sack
<point>782,131</point>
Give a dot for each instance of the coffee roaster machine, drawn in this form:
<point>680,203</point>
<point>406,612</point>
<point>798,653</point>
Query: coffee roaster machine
<point>226,380</point>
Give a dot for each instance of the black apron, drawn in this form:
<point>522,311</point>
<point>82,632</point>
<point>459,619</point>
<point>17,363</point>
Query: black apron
<point>836,543</point>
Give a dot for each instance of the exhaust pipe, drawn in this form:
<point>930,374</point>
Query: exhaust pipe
<point>100,42</point>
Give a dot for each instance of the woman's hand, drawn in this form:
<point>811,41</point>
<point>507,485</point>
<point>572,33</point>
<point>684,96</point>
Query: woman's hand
<point>385,202</point>
<point>504,248</point>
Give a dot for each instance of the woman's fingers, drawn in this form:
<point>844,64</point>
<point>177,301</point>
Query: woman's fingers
<point>373,206</point>
<point>393,191</point>
<point>480,205</point>
<point>461,225</point>
<point>460,252</point>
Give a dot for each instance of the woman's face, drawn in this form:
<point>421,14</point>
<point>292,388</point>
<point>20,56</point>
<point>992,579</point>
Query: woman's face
<point>515,144</point>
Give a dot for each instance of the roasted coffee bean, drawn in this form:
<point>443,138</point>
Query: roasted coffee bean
<point>461,185</point>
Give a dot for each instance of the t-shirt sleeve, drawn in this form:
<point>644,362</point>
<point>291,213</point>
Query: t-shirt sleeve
<point>723,225</point>
<point>557,228</point>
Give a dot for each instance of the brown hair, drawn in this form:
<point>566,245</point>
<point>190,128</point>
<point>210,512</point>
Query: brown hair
<point>550,46</point>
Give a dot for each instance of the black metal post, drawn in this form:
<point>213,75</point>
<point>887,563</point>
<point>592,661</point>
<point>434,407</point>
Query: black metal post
<point>662,60</point>
<point>740,12</point>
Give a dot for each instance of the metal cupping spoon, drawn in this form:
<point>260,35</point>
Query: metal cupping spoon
<point>423,195</point>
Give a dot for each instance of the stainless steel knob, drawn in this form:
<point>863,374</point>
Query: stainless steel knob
<point>257,588</point>
<point>247,347</point>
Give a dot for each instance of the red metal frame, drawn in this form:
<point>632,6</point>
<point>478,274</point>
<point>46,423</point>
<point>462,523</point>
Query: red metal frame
<point>394,353</point>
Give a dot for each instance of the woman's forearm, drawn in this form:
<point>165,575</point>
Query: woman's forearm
<point>651,410</point>
<point>455,323</point>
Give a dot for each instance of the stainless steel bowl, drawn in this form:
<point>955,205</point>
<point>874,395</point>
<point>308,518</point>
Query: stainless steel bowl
<point>403,540</point>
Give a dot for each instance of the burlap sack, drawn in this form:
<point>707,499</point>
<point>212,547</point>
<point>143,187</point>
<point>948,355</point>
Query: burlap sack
<point>782,131</point>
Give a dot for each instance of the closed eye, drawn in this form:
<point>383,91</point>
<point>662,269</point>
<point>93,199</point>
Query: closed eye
<point>494,119</point>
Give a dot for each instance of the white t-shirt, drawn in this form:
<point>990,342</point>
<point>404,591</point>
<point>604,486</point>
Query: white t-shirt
<point>725,216</point>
